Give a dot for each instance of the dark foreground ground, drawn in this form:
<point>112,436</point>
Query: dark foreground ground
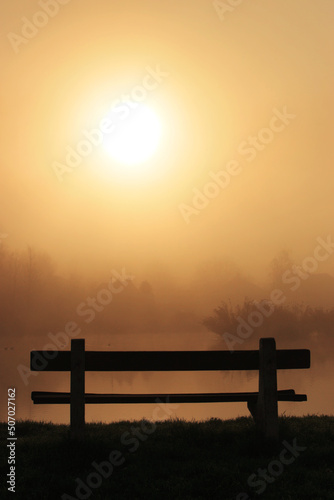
<point>171,460</point>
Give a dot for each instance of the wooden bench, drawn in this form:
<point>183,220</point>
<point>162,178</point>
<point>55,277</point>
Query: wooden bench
<point>262,404</point>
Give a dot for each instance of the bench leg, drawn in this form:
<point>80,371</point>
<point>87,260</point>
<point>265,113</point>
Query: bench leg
<point>77,388</point>
<point>267,410</point>
<point>252,406</point>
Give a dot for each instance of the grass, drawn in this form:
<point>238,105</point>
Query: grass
<point>172,460</point>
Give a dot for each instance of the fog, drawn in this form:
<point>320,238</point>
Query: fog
<point>234,205</point>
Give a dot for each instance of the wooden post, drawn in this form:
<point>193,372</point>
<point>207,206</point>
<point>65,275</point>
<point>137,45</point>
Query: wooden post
<point>267,410</point>
<point>77,388</point>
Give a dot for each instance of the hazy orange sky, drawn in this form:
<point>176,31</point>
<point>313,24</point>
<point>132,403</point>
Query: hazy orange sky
<point>226,75</point>
<point>243,95</point>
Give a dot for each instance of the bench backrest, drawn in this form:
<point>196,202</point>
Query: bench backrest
<point>165,360</point>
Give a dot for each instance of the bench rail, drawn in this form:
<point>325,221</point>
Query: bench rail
<point>286,359</point>
<point>39,397</point>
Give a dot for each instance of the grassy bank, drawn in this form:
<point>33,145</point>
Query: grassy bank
<point>173,460</point>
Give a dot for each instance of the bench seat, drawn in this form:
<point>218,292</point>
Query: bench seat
<point>228,397</point>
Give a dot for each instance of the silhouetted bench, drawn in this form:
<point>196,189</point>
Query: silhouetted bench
<point>262,404</point>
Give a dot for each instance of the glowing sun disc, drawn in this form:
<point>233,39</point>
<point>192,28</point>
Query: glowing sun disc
<point>136,138</point>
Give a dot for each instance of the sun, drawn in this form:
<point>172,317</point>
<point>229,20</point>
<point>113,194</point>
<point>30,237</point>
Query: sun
<point>135,139</point>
